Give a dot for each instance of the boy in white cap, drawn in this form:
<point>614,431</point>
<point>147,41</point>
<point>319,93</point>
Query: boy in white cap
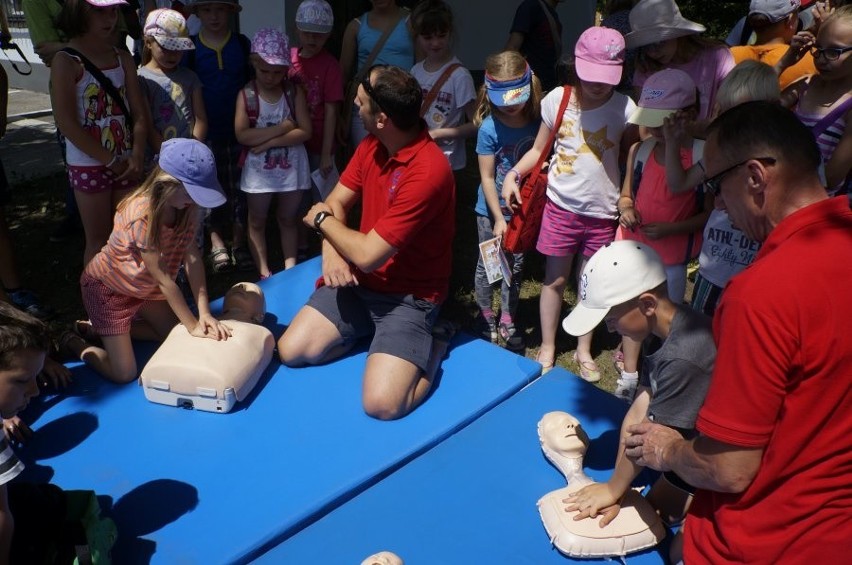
<point>624,284</point>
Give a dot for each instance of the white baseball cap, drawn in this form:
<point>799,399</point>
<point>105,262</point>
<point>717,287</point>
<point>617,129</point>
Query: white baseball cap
<point>616,273</point>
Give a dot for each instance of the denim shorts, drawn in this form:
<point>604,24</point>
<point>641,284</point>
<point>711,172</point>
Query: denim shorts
<point>401,324</point>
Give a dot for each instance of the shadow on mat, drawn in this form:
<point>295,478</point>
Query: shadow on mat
<point>54,439</point>
<point>144,510</point>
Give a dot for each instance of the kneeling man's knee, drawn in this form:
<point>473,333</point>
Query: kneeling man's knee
<point>383,408</point>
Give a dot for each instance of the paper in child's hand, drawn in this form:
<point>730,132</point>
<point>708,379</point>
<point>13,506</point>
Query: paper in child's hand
<point>496,265</point>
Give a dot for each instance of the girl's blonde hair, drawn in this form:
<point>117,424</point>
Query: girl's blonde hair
<point>504,66</point>
<point>749,80</point>
<point>159,187</point>
<point>146,51</point>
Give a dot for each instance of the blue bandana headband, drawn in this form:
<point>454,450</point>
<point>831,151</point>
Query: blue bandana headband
<point>509,92</point>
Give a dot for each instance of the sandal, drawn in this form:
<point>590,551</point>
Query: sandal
<point>546,366</point>
<point>589,371</point>
<point>63,345</point>
<point>513,338</point>
<point>220,260</point>
<point>242,259</point>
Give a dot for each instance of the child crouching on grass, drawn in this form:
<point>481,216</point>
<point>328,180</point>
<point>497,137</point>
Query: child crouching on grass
<point>129,287</point>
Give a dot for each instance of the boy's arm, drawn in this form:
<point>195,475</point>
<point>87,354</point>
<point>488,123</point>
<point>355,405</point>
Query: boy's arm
<point>199,128</point>
<point>329,126</point>
<point>7,526</point>
<point>605,498</point>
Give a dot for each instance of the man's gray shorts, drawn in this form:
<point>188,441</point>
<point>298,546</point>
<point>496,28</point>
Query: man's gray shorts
<point>402,324</point>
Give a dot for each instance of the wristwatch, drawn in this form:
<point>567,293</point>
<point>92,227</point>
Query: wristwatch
<point>319,219</point>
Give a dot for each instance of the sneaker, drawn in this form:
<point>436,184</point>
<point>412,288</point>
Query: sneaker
<point>513,338</point>
<point>27,301</point>
<point>68,228</point>
<point>488,329</point>
<point>625,389</point>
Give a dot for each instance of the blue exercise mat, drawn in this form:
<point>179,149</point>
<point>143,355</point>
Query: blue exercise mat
<point>473,498</point>
<point>196,487</point>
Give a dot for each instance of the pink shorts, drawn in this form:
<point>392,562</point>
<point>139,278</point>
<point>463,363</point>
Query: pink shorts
<point>565,233</point>
<point>95,179</point>
<point>110,312</point>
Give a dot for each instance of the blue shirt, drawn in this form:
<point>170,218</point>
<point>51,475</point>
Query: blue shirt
<point>508,145</point>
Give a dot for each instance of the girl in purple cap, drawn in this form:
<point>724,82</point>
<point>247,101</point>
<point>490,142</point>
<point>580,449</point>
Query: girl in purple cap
<point>580,214</point>
<point>129,288</point>
<point>104,153</point>
<point>273,122</point>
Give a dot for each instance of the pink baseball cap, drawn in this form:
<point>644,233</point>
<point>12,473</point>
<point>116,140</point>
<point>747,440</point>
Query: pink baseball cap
<point>664,93</point>
<point>600,55</point>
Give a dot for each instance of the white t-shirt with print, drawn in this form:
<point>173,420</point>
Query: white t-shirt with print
<point>447,110</point>
<point>584,177</point>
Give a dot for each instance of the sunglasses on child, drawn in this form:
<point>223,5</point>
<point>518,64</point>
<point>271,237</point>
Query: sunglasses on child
<point>830,53</point>
<point>714,183</point>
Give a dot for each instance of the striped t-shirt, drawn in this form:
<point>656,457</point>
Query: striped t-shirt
<point>828,138</point>
<point>119,264</point>
<point>10,465</point>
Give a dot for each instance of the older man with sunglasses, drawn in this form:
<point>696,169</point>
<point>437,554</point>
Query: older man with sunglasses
<point>387,278</point>
<point>774,456</point>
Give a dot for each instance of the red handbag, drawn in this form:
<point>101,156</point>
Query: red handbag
<point>522,231</point>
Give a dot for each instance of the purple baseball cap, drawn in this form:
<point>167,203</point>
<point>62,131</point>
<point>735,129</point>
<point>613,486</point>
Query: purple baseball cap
<point>192,163</point>
<point>600,55</point>
<point>664,93</point>
<point>272,46</point>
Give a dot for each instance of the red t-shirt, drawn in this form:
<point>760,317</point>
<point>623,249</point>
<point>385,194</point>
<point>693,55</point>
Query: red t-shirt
<point>322,79</point>
<point>409,199</point>
<point>783,382</point>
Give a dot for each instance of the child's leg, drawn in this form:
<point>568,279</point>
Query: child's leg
<point>556,273</point>
<point>288,225</point>
<point>154,322</point>
<point>115,361</point>
<point>258,209</point>
<point>671,501</point>
<point>482,288</point>
<point>96,215</point>
<point>510,293</point>
<point>584,342</point>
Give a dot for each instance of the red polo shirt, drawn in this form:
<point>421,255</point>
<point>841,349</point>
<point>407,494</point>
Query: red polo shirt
<point>409,200</point>
<point>783,382</point>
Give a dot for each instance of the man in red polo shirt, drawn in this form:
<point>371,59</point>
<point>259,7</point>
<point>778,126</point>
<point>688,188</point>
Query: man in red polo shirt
<point>773,460</point>
<point>389,277</point>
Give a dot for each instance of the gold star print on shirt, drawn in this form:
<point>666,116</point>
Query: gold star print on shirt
<point>564,162</point>
<point>596,143</point>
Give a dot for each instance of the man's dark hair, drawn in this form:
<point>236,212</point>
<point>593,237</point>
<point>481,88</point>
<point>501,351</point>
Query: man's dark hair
<point>762,128</point>
<point>396,93</point>
<point>19,330</point>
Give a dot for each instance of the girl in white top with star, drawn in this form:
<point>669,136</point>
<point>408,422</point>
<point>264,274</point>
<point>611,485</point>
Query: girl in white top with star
<point>580,214</point>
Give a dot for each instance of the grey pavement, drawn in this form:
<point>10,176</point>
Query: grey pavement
<point>29,148</point>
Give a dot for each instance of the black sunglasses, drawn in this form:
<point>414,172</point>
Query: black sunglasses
<point>714,183</point>
<point>830,53</point>
<point>368,88</point>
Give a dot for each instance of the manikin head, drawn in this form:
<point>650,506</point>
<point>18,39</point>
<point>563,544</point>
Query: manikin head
<point>244,302</point>
<point>563,433</point>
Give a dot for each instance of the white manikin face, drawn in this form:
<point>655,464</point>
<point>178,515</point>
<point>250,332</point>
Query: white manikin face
<point>563,432</point>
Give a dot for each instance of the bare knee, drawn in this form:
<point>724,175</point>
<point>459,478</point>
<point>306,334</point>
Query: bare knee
<point>289,352</point>
<point>383,408</point>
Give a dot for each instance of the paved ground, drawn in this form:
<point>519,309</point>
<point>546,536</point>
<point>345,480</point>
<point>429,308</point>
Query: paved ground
<point>29,148</point>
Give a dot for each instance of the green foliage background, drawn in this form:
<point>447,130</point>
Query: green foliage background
<point>717,17</point>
